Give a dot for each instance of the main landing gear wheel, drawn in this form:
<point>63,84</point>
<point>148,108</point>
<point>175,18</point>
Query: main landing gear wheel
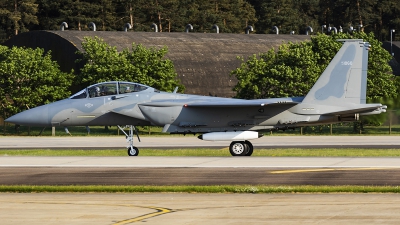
<point>133,151</point>
<point>250,148</point>
<point>241,148</point>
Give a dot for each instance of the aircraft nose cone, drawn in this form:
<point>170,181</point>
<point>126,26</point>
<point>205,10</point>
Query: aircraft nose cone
<point>38,116</point>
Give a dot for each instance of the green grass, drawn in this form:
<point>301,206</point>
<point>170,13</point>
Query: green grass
<point>290,152</point>
<point>201,189</point>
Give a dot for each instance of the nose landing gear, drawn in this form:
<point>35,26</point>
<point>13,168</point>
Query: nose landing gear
<point>132,150</point>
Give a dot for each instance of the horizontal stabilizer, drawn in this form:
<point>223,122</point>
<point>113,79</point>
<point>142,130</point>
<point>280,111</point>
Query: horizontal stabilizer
<point>368,108</point>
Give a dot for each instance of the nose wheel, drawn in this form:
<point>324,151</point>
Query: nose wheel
<point>241,148</point>
<point>132,150</point>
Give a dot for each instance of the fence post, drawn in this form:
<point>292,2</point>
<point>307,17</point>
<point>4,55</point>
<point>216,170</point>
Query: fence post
<point>390,121</point>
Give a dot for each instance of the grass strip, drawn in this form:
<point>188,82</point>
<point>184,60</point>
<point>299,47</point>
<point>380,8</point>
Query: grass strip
<point>286,152</point>
<point>200,189</point>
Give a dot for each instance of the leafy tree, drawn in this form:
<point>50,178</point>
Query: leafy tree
<point>28,78</point>
<point>288,72</point>
<point>140,64</point>
<point>294,68</point>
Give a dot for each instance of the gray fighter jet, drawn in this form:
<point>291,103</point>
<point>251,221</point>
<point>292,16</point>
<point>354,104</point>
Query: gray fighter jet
<point>339,95</point>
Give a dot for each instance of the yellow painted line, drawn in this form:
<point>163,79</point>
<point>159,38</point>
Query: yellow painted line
<point>324,170</point>
<point>160,211</point>
<point>89,116</point>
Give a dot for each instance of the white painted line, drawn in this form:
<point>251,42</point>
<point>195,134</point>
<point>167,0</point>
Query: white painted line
<point>192,166</point>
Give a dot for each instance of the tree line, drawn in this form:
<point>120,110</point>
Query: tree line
<point>232,16</point>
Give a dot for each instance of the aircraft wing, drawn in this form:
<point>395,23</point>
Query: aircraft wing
<point>217,103</point>
<point>230,104</point>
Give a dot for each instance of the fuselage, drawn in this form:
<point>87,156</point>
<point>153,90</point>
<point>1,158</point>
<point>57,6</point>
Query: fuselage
<point>174,111</point>
<point>125,103</point>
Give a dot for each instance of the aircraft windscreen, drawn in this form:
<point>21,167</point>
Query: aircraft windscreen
<point>130,87</point>
<point>103,89</point>
<point>81,94</point>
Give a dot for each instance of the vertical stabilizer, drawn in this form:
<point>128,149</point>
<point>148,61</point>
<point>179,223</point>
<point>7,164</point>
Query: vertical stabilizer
<point>345,78</point>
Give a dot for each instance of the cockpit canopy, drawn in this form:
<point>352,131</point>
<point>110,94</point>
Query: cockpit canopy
<point>109,88</point>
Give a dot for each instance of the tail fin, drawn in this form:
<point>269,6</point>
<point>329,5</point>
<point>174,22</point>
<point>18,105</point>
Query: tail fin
<point>345,78</point>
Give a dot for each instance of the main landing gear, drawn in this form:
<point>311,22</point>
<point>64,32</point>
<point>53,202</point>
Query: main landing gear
<point>241,148</point>
<point>132,150</point>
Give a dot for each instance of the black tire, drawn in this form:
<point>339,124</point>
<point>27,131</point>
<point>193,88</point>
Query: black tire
<point>250,148</point>
<point>133,151</point>
<point>238,148</point>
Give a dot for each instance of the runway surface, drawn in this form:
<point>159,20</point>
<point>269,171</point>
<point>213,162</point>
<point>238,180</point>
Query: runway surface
<point>197,176</point>
<point>199,170</point>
